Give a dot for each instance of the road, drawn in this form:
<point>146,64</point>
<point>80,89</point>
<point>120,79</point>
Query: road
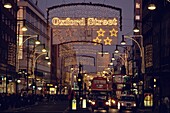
<point>60,107</point>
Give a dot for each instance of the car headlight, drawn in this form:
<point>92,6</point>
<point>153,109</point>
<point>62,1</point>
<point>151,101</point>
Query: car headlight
<point>118,105</point>
<point>122,104</point>
<point>134,104</point>
<point>107,103</point>
<point>93,102</point>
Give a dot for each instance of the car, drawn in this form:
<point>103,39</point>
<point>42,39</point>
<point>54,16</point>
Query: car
<point>127,102</point>
<point>100,102</point>
<point>113,101</point>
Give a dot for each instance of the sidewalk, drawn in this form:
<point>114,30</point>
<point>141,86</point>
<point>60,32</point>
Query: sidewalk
<point>19,108</point>
<point>146,111</point>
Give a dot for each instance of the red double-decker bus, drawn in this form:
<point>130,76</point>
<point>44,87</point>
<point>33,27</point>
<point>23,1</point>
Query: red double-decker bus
<point>99,84</point>
<point>99,94</point>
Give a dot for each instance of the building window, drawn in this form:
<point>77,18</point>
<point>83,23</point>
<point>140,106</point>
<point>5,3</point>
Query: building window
<point>137,6</point>
<point>137,17</point>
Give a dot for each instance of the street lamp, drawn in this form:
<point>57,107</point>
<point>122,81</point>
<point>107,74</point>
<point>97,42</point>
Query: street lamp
<point>151,6</point>
<point>24,28</point>
<point>136,29</point>
<point>44,50</point>
<point>116,50</point>
<point>123,40</point>
<point>111,63</point>
<point>49,63</point>
<point>113,57</point>
<point>8,5</point>
<point>47,57</point>
<point>33,69</point>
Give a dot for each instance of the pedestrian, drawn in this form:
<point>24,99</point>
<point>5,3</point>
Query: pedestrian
<point>166,100</point>
<point>165,105</point>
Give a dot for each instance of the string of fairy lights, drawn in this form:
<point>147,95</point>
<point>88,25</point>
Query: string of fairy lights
<point>84,23</point>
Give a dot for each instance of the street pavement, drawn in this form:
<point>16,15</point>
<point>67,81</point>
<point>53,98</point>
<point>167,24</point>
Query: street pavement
<point>62,107</point>
<point>44,107</point>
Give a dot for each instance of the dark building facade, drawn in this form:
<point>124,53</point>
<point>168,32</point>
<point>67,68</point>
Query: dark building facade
<point>8,40</point>
<point>156,33</point>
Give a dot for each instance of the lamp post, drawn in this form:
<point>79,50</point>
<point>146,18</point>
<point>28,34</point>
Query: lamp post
<point>141,48</point>
<point>19,49</point>
<point>73,70</point>
<point>37,42</point>
<point>33,69</point>
<point>127,56</point>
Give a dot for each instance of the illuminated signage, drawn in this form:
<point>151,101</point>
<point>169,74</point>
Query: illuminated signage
<point>82,22</point>
<point>95,29</point>
<point>68,21</point>
<point>99,22</point>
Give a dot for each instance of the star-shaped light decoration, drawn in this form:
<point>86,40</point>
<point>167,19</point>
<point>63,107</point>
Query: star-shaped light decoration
<point>115,22</point>
<point>69,32</point>
<point>100,32</point>
<point>107,41</point>
<point>97,39</point>
<point>113,32</point>
<point>58,33</point>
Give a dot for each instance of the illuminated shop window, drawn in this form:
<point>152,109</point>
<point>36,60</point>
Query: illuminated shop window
<point>137,5</point>
<point>137,17</point>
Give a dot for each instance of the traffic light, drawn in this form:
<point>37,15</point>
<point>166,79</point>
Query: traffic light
<point>80,80</point>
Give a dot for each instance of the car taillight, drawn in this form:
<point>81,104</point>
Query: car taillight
<point>113,101</point>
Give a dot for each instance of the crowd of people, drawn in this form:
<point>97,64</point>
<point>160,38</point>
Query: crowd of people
<point>18,100</point>
<point>12,101</point>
